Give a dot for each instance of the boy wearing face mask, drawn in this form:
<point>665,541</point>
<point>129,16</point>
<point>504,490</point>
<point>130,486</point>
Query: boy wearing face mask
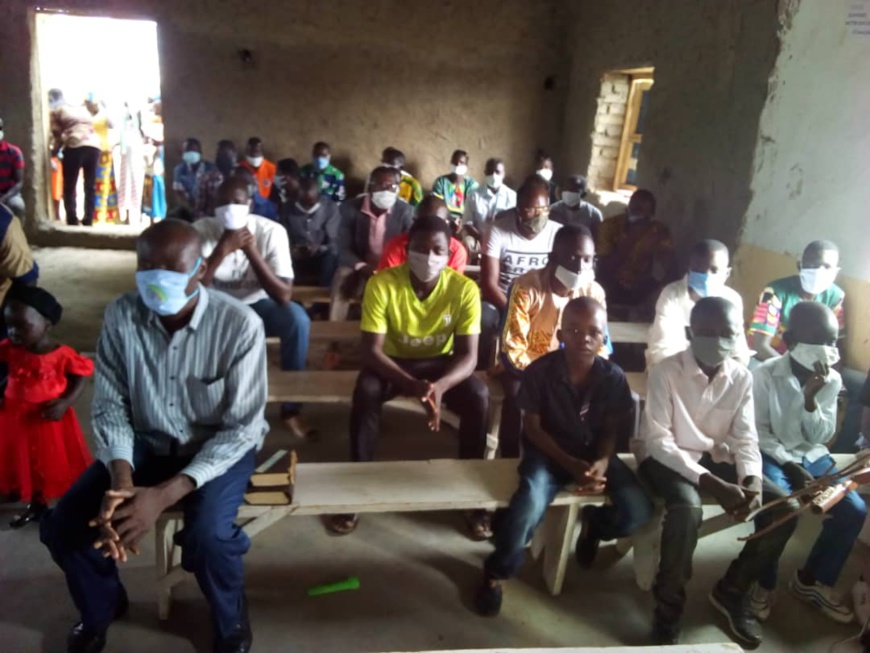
<point>455,187</point>
<point>544,170</point>
<point>573,210</point>
<point>534,314</point>
<point>796,414</point>
<point>709,269</point>
<point>262,169</point>
<point>396,251</point>
<point>576,406</point>
<point>286,184</point>
<point>698,435</point>
<point>368,223</point>
<point>259,204</point>
<point>410,189</point>
<point>519,240</point>
<point>187,175</point>
<point>484,203</point>
<point>420,324</point>
<point>330,180</point>
<point>248,257</point>
<point>312,222</point>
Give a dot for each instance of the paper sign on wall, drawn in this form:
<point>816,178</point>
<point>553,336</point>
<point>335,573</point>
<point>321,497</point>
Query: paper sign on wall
<point>858,18</point>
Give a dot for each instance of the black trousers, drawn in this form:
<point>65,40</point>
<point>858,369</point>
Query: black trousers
<point>83,158</point>
<point>683,516</point>
<point>469,399</point>
<point>511,428</point>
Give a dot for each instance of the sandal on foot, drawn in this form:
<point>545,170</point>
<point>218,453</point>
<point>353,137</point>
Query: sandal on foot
<point>479,525</point>
<point>342,524</point>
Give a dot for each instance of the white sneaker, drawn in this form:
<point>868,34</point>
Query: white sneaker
<point>823,598</point>
<point>760,601</point>
<point>861,601</point>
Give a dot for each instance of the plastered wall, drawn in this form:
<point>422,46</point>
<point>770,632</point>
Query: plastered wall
<point>712,62</point>
<point>811,176</point>
<point>428,77</point>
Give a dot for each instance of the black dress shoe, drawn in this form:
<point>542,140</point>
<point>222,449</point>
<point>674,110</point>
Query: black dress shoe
<point>33,512</point>
<point>241,637</point>
<point>81,640</point>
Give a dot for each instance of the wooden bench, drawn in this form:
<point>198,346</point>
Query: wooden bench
<point>379,487</point>
<point>680,648</point>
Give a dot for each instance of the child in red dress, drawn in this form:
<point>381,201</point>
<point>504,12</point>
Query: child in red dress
<point>42,450</point>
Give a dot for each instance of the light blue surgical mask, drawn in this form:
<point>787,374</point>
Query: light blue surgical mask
<point>711,350</point>
<point>191,158</point>
<point>321,162</point>
<point>165,291</point>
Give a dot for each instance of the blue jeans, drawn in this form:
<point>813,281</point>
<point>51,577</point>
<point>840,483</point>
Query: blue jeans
<point>291,323</point>
<point>840,528</point>
<point>212,544</point>
<point>540,481</point>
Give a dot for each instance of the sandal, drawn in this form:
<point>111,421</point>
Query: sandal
<point>298,428</point>
<point>479,524</point>
<point>342,524</point>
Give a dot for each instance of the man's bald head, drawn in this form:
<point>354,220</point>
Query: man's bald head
<point>812,323</point>
<point>433,206</point>
<point>169,245</point>
<point>715,317</point>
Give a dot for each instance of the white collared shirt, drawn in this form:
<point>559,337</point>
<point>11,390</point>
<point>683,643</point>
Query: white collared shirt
<point>787,432</point>
<point>688,415</point>
<point>482,205</point>
<point>234,275</point>
<point>667,335</point>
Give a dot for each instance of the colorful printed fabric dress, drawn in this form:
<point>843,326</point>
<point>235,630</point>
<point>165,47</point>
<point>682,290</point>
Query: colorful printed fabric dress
<point>38,457</point>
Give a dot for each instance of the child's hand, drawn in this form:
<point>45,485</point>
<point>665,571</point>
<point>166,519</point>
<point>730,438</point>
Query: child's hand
<point>817,381</point>
<point>54,410</point>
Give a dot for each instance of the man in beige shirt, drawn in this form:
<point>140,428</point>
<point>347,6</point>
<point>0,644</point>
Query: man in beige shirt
<point>698,434</point>
<point>72,129</point>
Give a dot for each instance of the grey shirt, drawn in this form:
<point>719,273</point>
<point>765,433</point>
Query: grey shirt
<point>319,229</point>
<point>199,392</point>
<point>584,214</point>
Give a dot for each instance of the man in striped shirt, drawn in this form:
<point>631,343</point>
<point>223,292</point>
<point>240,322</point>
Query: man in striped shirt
<point>177,418</point>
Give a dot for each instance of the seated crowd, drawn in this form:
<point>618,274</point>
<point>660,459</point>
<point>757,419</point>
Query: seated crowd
<point>181,375</point>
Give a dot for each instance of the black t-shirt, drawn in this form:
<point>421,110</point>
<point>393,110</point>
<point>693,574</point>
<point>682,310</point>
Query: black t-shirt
<point>576,419</point>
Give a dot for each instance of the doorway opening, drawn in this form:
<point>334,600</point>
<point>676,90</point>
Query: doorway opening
<point>107,71</point>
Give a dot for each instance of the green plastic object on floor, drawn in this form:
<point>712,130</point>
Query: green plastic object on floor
<point>351,583</point>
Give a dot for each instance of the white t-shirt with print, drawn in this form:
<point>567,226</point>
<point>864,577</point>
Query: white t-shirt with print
<point>234,275</point>
<point>516,254</point>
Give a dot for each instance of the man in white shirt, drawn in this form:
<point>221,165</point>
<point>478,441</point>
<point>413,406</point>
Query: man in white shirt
<point>519,240</point>
<point>573,209</point>
<point>248,257</point>
<point>796,414</point>
<point>698,434</point>
<point>484,203</point>
<point>709,269</point>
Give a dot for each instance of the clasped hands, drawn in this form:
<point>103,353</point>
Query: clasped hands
<point>126,515</point>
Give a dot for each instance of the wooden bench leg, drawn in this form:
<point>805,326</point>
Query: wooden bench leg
<point>647,542</point>
<point>558,533</point>
<point>492,430</point>
<point>167,556</point>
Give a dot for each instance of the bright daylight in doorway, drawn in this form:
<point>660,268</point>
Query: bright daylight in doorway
<point>108,73</point>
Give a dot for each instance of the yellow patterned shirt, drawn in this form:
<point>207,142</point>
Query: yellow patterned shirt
<point>533,317</point>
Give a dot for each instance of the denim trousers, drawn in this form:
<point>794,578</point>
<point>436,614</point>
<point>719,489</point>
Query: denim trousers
<point>683,516</point>
<point>840,528</point>
<point>291,324</point>
<point>212,544</point>
<point>541,479</point>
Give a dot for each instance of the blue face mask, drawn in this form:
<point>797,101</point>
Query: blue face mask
<point>191,158</point>
<point>705,284</point>
<point>321,162</point>
<point>165,291</point>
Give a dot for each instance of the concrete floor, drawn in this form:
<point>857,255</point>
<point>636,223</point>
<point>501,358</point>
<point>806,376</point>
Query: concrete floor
<point>417,572</point>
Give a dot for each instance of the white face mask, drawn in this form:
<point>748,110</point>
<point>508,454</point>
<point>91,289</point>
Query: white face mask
<point>255,161</point>
<point>426,267</point>
<point>818,280</point>
<point>460,170</point>
<point>571,198</point>
<point>808,355</point>
<point>233,216</point>
<point>1,134</point>
<point>635,217</point>
<point>384,199</point>
<point>494,180</point>
<point>308,211</point>
<point>546,173</point>
<point>574,280</point>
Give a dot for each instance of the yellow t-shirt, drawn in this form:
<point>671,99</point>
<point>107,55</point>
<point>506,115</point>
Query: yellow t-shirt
<point>417,328</point>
